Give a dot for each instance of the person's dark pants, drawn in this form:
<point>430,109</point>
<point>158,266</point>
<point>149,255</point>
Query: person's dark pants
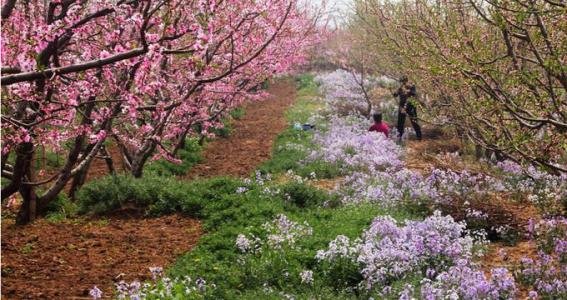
<point>412,112</point>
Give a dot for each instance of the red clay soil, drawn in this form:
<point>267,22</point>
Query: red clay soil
<point>250,142</point>
<point>501,256</point>
<point>99,167</point>
<point>64,260</point>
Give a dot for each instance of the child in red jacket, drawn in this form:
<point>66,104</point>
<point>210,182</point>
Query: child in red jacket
<point>378,125</point>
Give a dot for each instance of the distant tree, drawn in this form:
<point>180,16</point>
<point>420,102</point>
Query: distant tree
<point>496,71</point>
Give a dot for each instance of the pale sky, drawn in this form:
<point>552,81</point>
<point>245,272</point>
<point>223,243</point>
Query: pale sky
<point>335,8</point>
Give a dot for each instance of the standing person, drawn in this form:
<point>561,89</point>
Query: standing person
<point>407,92</point>
<point>378,125</point>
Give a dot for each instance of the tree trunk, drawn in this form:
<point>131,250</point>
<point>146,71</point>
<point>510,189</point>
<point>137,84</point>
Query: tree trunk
<point>23,159</point>
<point>137,168</point>
<point>28,210</point>
<point>108,160</point>
<point>478,151</point>
<point>78,180</point>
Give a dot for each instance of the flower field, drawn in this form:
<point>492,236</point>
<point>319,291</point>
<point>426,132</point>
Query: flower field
<point>383,231</point>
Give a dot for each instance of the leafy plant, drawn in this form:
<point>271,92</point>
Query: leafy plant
<point>304,195</point>
<point>189,155</point>
<point>61,208</point>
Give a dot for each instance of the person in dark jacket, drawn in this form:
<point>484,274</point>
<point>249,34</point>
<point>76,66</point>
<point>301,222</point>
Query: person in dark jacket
<point>407,93</point>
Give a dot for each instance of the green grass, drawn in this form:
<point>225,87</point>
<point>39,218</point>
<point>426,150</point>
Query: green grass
<point>51,160</point>
<point>292,146</point>
<point>306,86</point>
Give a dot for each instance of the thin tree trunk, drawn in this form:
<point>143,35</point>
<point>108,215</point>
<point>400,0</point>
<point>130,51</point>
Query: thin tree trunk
<point>78,181</point>
<point>28,210</point>
<point>24,150</point>
<point>108,160</point>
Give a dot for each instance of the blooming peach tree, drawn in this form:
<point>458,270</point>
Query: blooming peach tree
<point>78,74</point>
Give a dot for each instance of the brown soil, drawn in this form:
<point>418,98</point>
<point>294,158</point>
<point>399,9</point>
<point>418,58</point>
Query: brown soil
<point>499,255</point>
<point>250,142</point>
<point>502,256</point>
<point>327,184</point>
<point>500,211</point>
<point>99,168</point>
<point>64,260</point>
<point>423,155</point>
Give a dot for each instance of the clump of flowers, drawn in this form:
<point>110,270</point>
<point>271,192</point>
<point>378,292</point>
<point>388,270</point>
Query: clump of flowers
<point>387,188</point>
<point>282,231</point>
<point>261,182</point>
<point>161,287</point>
<point>348,144</point>
<point>551,236</point>
<point>451,185</point>
<point>292,146</point>
<point>546,274</point>
<point>165,287</point>
<point>279,233</point>
<point>387,252</point>
<point>291,176</point>
<point>157,272</point>
<point>390,252</point>
<point>306,277</point>
<point>243,243</point>
<point>546,191</point>
<point>339,248</point>
<point>96,293</point>
<point>462,281</point>
<point>343,94</point>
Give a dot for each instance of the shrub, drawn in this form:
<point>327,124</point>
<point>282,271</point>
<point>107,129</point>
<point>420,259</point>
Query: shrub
<point>189,156</point>
<point>156,195</point>
<point>111,192</point>
<point>106,193</point>
<point>304,195</point>
<point>320,168</point>
<point>61,208</point>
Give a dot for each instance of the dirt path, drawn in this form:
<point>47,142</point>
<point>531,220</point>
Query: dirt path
<point>250,143</point>
<point>64,260</point>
